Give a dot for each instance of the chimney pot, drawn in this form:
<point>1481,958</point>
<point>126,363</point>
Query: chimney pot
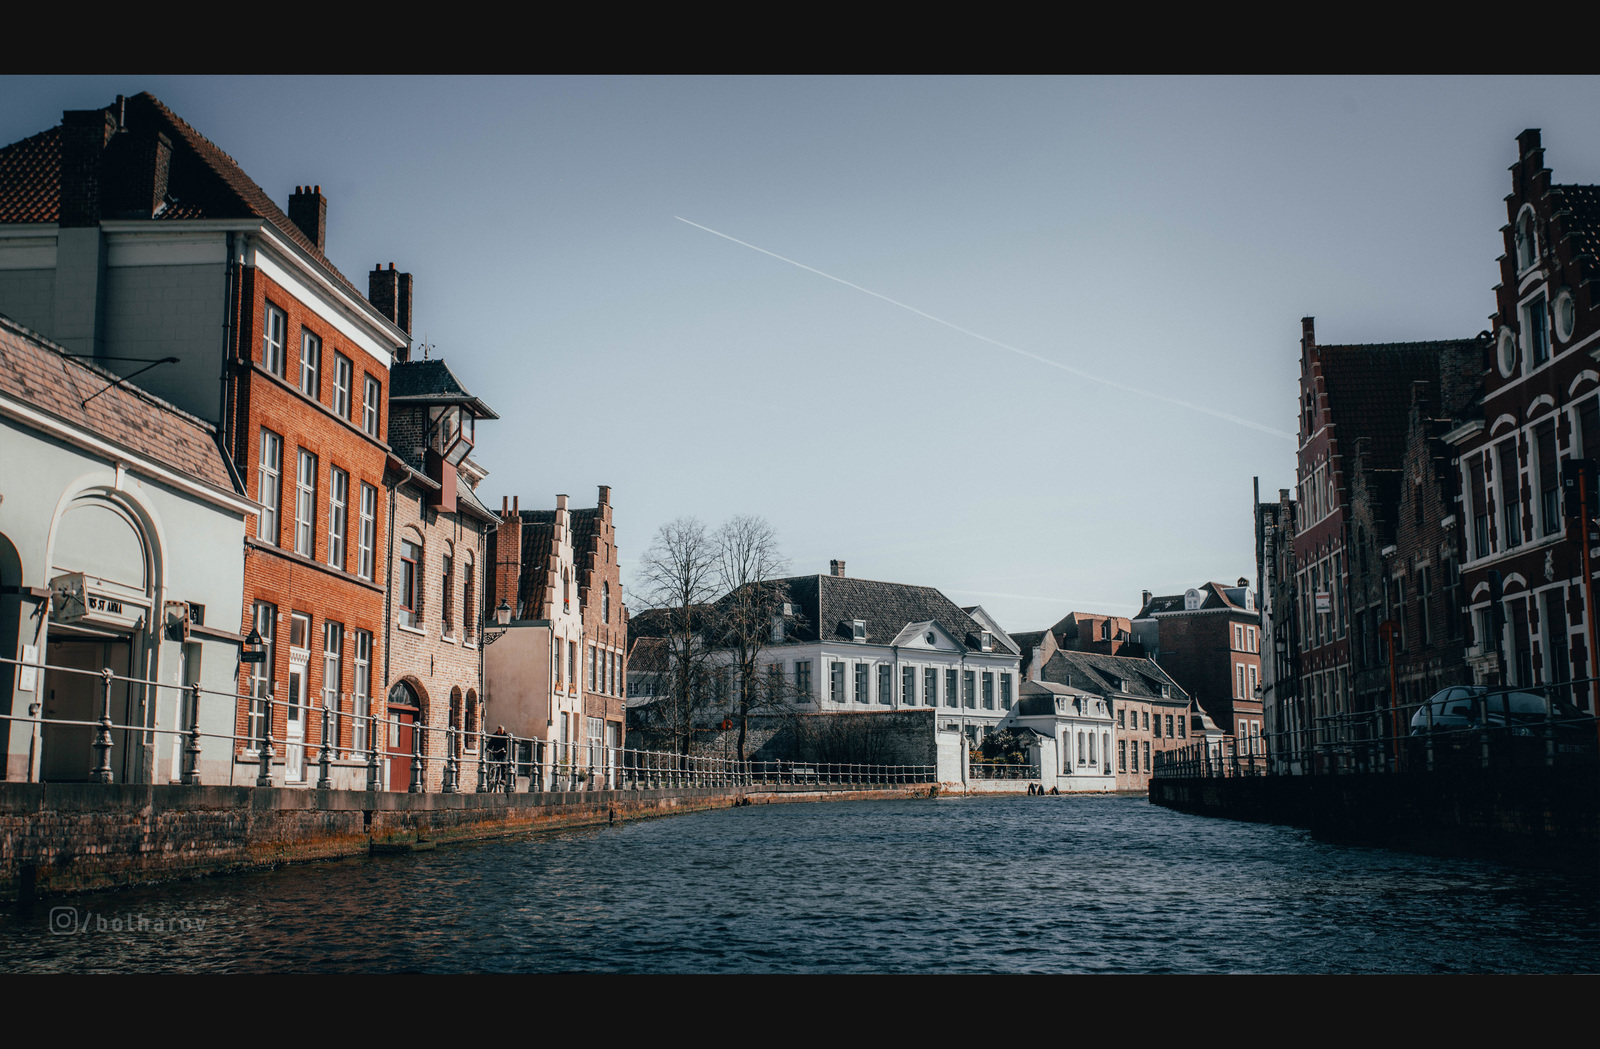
<point>515,504</point>
<point>836,568</point>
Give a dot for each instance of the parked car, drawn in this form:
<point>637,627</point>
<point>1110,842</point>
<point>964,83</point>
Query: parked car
<point>1460,711</point>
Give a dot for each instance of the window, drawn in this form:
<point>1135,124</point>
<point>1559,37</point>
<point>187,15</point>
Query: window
<point>1477,491</point>
<point>1147,721</point>
<point>272,340</point>
<point>1169,726</point>
<point>305,504</point>
<point>1253,679</point>
<point>1081,758</point>
<point>1250,640</point>
<point>362,689</point>
<point>268,485</point>
<point>410,571</point>
<point>1121,717</point>
<point>310,365</point>
<point>1238,681</point>
<point>366,537</point>
<point>969,686</point>
<point>338,514</point>
<point>1510,492</point>
<point>1183,726</point>
<point>774,681</point>
<point>950,686</point>
<point>1005,691</point>
<point>605,604</point>
<point>1544,439</point>
<point>572,666</point>
<point>332,675</point>
<point>885,684</point>
<point>930,687</point>
<point>987,641</point>
<point>1147,755</point>
<point>369,407</point>
<point>858,630</point>
<point>265,622</point>
<point>861,683</point>
<point>908,686</point>
<point>1157,730</point>
<point>988,690</point>
<point>1122,755</point>
<point>447,598</point>
<point>1238,637</point>
<point>469,600</point>
<point>594,668</point>
<point>802,680</point>
<point>836,682</point>
<point>1526,246</point>
<point>1536,327</point>
<point>342,373</point>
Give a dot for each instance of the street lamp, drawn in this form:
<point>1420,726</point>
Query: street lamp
<point>502,617</point>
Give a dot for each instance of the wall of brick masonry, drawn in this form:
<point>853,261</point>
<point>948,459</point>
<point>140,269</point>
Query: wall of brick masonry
<point>1552,811</point>
<point>64,838</point>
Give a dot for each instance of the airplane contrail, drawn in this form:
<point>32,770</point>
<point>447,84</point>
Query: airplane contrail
<point>1203,409</point>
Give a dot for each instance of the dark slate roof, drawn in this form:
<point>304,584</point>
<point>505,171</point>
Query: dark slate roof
<point>1216,596</point>
<point>1369,391</point>
<point>203,181</point>
<point>432,382</point>
<point>39,372</point>
<point>1099,674</point>
<point>829,604</point>
<point>1581,222</point>
<point>1028,639</point>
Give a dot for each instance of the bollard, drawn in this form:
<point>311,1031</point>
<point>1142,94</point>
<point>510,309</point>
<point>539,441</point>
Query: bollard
<point>325,760</point>
<point>416,758</point>
<point>102,739</point>
<point>191,751</point>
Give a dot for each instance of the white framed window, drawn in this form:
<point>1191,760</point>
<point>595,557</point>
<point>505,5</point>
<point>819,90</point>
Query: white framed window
<point>930,687</point>
<point>885,684</point>
<point>969,688</point>
<point>802,680</point>
<point>988,690</point>
<point>1238,637</point>
<point>1526,242</point>
<point>338,514</point>
<point>305,504</point>
<point>343,371</point>
<point>370,396</point>
<point>836,682</point>
<point>858,630</point>
<point>362,690</point>
<point>310,365</point>
<point>265,622</point>
<point>951,689</point>
<point>1238,681</point>
<point>269,483</point>
<point>1005,691</point>
<point>861,683</point>
<point>332,674</point>
<point>1536,330</point>
<point>908,686</point>
<point>410,583</point>
<point>366,536</point>
<point>273,335</point>
<point>1250,639</point>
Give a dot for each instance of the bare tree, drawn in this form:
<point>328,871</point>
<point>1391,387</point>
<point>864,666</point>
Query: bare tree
<point>748,567</point>
<point>677,576</point>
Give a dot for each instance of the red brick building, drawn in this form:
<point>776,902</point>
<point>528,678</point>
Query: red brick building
<point>1209,640</point>
<point>127,235</point>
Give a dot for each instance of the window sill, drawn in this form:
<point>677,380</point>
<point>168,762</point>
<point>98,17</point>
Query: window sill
<point>410,629</point>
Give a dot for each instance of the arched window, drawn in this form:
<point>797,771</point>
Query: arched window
<point>566,590</point>
<point>1526,242</point>
<point>455,715</point>
<point>472,719</point>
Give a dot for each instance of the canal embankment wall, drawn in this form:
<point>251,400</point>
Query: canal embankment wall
<point>1553,812</point>
<point>58,838</point>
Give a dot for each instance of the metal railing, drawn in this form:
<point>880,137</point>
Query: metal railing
<point>1001,770</point>
<point>464,759</point>
<point>1510,727</point>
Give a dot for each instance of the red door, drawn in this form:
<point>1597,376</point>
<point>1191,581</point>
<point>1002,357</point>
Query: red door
<point>402,741</point>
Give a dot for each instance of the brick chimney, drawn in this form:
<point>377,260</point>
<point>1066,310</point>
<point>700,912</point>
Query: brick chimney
<point>308,209</point>
<point>505,554</point>
<point>1144,600</point>
<point>137,163</point>
<point>390,294</point>
<point>836,568</point>
<point>84,136</point>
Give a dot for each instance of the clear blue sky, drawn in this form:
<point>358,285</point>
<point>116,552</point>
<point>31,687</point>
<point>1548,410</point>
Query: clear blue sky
<point>1164,234</point>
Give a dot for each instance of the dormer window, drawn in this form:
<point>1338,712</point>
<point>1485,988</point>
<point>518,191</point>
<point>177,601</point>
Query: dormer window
<point>777,629</point>
<point>931,639</point>
<point>1122,684</point>
<point>1166,691</point>
<point>987,641</point>
<point>858,630</point>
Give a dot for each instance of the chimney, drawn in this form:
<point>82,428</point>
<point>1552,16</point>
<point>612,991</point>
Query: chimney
<point>134,174</point>
<point>390,294</point>
<point>505,554</point>
<point>84,135</point>
<point>1144,600</point>
<point>308,209</point>
<point>605,495</point>
<point>836,568</point>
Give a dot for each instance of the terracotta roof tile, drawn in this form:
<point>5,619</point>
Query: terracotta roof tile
<point>43,375</point>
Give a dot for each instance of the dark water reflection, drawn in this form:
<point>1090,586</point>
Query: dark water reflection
<point>1098,884</point>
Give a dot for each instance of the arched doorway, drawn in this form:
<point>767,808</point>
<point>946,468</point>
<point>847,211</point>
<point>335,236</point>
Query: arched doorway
<point>405,712</point>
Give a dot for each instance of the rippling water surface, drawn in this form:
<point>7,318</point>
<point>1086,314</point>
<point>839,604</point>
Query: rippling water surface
<point>1088,884</point>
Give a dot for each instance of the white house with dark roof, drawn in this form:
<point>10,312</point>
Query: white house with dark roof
<point>845,644</point>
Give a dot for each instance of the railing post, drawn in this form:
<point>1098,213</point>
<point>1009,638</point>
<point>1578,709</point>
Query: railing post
<point>325,759</point>
<point>191,751</point>
<point>416,758</point>
<point>449,785</point>
<point>264,777</point>
<point>102,739</point>
<point>372,752</point>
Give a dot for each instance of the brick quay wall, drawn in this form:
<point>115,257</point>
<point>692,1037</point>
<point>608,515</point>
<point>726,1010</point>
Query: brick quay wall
<point>1548,813</point>
<point>58,838</point>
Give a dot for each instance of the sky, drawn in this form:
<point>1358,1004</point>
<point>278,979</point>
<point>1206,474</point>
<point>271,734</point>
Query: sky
<point>1024,340</point>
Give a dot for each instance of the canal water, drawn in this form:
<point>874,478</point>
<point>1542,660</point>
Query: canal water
<point>960,885</point>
